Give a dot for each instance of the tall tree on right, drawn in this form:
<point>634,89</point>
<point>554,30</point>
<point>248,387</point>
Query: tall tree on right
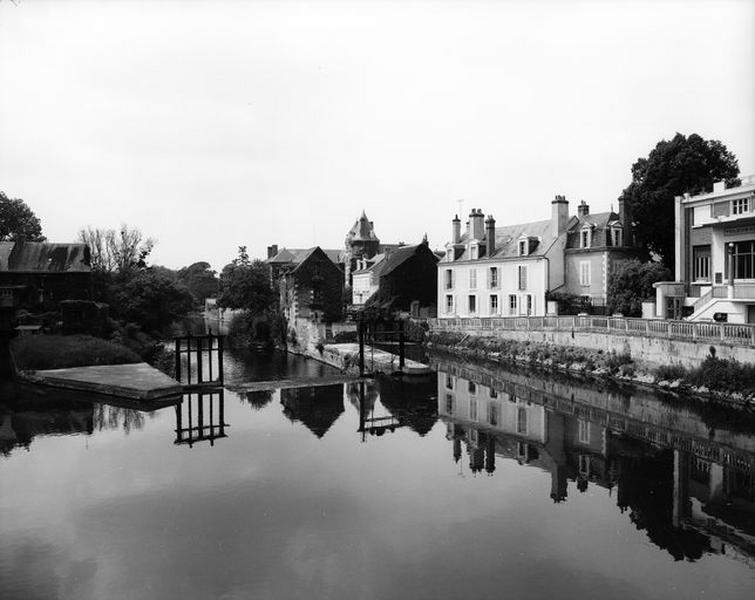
<point>682,164</point>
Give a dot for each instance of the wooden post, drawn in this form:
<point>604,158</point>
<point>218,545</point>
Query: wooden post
<point>210,350</point>
<point>188,359</point>
<point>220,359</point>
<point>401,345</point>
<point>199,360</point>
<point>178,359</point>
<point>361,347</point>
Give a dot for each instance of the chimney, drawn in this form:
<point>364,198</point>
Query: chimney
<point>626,222</point>
<point>477,224</point>
<point>272,250</point>
<point>559,214</point>
<point>490,235</point>
<point>583,209</point>
<point>455,230</point>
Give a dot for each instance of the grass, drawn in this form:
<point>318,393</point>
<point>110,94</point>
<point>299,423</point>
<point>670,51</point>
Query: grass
<point>39,352</point>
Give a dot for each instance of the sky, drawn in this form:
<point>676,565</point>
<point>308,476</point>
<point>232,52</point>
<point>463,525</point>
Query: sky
<point>211,125</point>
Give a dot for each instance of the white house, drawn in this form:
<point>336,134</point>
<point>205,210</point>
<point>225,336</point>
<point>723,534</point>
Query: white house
<point>502,271</point>
<point>715,256</point>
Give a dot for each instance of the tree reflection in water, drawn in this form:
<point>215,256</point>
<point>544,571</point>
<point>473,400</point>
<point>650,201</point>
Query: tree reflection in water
<point>107,416</point>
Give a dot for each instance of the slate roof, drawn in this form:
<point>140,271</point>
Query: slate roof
<point>44,257</point>
<point>507,238</point>
<point>597,219</point>
<point>362,231</point>
<point>390,261</point>
<point>297,255</point>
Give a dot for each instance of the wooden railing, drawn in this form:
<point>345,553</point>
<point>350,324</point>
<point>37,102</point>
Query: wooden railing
<point>730,333</point>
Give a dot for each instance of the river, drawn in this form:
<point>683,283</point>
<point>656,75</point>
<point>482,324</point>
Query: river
<point>474,482</point>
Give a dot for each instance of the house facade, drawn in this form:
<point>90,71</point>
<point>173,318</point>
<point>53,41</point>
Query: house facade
<point>715,256</point>
<point>491,271</point>
<point>402,280</point>
<point>596,244</point>
<point>311,288</point>
<point>41,274</point>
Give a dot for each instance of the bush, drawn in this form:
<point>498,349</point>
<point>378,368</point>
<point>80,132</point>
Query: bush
<point>632,283</point>
<point>670,373</point>
<point>39,352</point>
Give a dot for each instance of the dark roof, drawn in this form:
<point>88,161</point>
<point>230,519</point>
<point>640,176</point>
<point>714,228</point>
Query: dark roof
<point>297,255</point>
<point>393,259</point>
<point>507,238</point>
<point>44,257</point>
<point>362,231</point>
<point>597,219</point>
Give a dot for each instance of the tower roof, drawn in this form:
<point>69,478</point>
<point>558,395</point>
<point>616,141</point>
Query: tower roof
<point>362,231</point>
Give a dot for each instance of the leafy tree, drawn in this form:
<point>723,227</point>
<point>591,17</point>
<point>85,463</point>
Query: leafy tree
<point>152,299</point>
<point>682,164</point>
<point>121,251</point>
<point>200,279</point>
<point>246,284</point>
<point>632,284</point>
<point>18,222</point>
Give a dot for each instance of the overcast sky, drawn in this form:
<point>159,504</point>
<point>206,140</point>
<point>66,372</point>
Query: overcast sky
<point>211,125</point>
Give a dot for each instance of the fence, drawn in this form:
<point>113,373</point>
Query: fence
<point>729,333</point>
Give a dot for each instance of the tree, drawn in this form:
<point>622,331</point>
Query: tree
<point>122,251</point>
<point>632,284</point>
<point>18,222</point>
<point>682,164</point>
<point>246,284</point>
<point>152,299</point>
<point>200,279</point>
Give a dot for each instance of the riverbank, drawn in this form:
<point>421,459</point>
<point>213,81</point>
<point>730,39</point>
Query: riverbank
<point>716,379</point>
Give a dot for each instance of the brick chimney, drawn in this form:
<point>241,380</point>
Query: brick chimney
<point>476,224</point>
<point>490,235</point>
<point>559,214</point>
<point>626,222</point>
<point>583,209</point>
<point>272,251</point>
<point>455,230</point>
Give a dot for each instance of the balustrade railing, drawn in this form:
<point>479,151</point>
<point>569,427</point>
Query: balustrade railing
<point>731,333</point>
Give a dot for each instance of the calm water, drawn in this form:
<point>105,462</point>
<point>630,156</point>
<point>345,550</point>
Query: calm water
<point>470,483</point>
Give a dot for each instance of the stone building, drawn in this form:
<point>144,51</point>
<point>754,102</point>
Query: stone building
<point>311,287</point>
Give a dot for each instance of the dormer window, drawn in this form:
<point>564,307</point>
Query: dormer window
<point>616,237</point>
<point>474,252</point>
<point>585,237</point>
<point>524,247</point>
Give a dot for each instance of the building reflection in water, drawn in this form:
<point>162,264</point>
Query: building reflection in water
<point>687,484</point>
<point>316,407</point>
<point>200,417</point>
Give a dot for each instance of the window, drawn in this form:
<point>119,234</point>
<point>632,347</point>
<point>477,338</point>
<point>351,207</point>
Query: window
<point>493,413</point>
<point>473,252</point>
<point>492,393</point>
<point>512,304</point>
<point>494,304</point>
<point>584,272</point>
<point>740,206</point>
<point>701,263</point>
<point>472,304</point>
<point>472,387</point>
<point>473,410</point>
<point>744,260</point>
<point>473,279</point>
<point>449,278</point>
<point>449,304</point>
<point>584,431</point>
<point>585,238</point>
<point>493,278</point>
<point>523,247</point>
<point>449,382</point>
<point>522,277</point>
<point>449,404</point>
<point>617,236</point>
<point>530,305</point>
<point>521,420</point>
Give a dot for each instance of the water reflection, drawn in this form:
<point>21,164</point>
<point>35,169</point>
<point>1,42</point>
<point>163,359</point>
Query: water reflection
<point>18,427</point>
<point>315,407</point>
<point>686,482</point>
<point>200,417</point>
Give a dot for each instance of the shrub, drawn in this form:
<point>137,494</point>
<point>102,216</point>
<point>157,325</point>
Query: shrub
<point>39,352</point>
<point>670,373</point>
